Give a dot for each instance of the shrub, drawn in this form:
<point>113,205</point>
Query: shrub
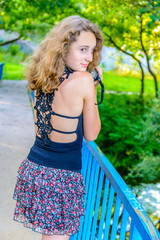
<point>13,49</point>
<point>151,129</point>
<point>130,129</point>
<point>12,55</point>
<point>147,171</point>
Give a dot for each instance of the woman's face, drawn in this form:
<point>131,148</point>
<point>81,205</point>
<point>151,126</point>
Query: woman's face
<point>80,53</point>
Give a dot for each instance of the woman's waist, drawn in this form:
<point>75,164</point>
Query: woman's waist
<point>67,159</point>
<point>58,146</point>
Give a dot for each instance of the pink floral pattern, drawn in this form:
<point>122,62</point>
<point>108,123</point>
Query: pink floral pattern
<point>49,200</point>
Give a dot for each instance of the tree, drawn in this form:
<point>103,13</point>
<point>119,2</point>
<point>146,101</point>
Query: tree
<point>130,26</point>
<point>30,18</point>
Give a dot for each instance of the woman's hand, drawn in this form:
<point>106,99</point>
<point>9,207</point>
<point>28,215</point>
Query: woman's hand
<point>99,74</point>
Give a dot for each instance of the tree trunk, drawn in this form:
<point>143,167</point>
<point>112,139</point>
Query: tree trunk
<point>142,78</point>
<point>147,58</point>
<point>131,55</point>
<point>154,77</point>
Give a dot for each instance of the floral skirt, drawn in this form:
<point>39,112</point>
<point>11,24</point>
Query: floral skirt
<point>49,200</point>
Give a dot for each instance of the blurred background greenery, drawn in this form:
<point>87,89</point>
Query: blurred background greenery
<point>130,112</point>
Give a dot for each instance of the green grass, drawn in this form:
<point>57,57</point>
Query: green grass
<point>115,82</point>
<point>13,71</point>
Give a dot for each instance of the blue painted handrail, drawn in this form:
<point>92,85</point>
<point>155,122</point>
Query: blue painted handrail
<point>1,70</point>
<point>111,210</point>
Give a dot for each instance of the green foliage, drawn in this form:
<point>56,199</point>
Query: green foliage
<point>120,127</point>
<point>12,55</point>
<point>147,171</point>
<point>151,129</point>
<point>13,49</point>
<point>121,21</point>
<point>33,17</point>
<point>130,130</point>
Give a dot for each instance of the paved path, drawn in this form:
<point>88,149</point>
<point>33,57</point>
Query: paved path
<point>16,138</point>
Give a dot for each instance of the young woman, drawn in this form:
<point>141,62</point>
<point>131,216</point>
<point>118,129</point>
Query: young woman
<point>50,188</point>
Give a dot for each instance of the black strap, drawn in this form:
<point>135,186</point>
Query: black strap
<point>102,90</point>
<point>67,72</point>
<point>97,78</point>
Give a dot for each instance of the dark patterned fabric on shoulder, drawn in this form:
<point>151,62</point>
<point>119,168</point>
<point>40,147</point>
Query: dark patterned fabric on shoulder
<point>49,200</point>
<point>66,74</point>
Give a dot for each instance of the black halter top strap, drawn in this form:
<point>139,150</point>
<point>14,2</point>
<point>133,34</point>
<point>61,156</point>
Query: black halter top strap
<point>43,106</point>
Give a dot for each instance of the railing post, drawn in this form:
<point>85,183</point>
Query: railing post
<point>1,70</point>
<point>134,234</point>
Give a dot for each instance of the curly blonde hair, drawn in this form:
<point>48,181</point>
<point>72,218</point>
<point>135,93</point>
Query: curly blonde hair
<point>48,61</point>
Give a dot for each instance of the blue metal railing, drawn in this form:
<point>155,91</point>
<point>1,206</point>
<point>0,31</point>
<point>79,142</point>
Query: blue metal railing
<point>111,210</point>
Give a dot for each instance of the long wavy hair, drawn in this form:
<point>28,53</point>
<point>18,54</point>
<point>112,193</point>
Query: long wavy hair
<point>48,61</point>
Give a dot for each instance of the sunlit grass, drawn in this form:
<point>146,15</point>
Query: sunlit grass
<point>13,71</point>
<point>115,82</point>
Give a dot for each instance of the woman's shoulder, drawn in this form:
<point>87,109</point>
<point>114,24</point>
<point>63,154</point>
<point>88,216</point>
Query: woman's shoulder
<point>82,75</point>
<point>82,79</point>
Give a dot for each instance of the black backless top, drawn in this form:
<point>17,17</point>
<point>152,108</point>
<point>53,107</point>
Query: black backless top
<point>47,152</point>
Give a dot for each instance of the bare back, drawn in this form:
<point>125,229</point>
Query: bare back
<point>68,101</point>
